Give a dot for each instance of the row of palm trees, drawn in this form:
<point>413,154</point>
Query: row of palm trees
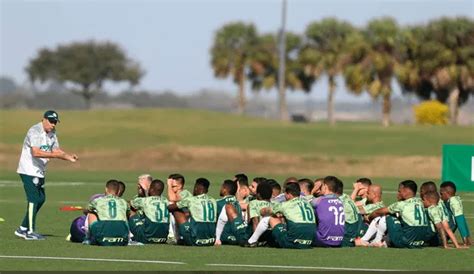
<point>431,60</point>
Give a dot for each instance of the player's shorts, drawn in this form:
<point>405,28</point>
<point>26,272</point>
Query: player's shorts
<point>109,233</point>
<point>235,232</point>
<point>146,231</point>
<point>405,237</point>
<point>285,238</point>
<point>77,229</point>
<point>192,233</point>
<point>351,232</point>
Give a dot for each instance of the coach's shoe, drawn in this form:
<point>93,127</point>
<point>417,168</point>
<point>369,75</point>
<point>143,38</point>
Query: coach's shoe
<point>21,233</point>
<point>34,236</point>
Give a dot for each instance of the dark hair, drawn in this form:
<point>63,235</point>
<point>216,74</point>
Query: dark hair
<point>428,186</point>
<point>242,179</point>
<point>156,187</point>
<point>177,177</point>
<point>450,185</point>
<point>306,183</point>
<point>203,182</point>
<point>122,188</point>
<point>231,186</point>
<point>264,189</point>
<point>409,184</point>
<point>431,196</point>
<point>364,181</point>
<point>259,180</point>
<point>274,184</point>
<point>334,184</point>
<point>113,185</point>
<point>293,189</point>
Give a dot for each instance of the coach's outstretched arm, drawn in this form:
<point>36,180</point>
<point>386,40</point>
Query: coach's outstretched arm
<point>57,153</point>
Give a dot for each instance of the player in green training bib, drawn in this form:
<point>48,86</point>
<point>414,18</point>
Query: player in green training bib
<point>411,229</point>
<point>197,227</point>
<point>231,229</point>
<point>299,227</point>
<point>152,224</point>
<point>454,210</point>
<point>108,224</point>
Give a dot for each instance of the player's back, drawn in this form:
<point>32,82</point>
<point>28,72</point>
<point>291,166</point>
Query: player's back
<point>413,218</point>
<point>300,219</point>
<point>110,208</point>
<point>155,209</point>
<point>330,220</point>
<point>230,199</point>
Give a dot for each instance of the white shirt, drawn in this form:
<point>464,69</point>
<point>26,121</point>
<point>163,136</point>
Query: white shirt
<point>36,137</point>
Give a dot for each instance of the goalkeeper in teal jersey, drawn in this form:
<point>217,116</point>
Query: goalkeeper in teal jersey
<point>455,210</point>
<point>197,225</point>
<point>108,224</point>
<point>231,228</point>
<point>151,225</point>
<point>293,223</point>
<point>411,229</point>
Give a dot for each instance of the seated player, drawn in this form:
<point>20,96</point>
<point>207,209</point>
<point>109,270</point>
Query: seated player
<point>197,227</point>
<point>176,192</point>
<point>143,184</point>
<point>306,186</point>
<point>377,228</point>
<point>293,223</point>
<point>430,187</point>
<point>329,212</point>
<point>253,187</point>
<point>108,225</point>
<point>411,229</point>
<point>276,188</point>
<point>231,229</point>
<point>151,225</point>
<point>438,220</point>
<point>359,192</point>
<point>354,225</point>
<point>79,226</point>
<point>455,210</point>
<point>316,191</point>
<point>258,223</point>
<point>243,194</point>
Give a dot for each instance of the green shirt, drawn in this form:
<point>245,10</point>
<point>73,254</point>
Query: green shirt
<point>308,197</point>
<point>369,208</point>
<point>255,206</point>
<point>110,208</point>
<point>229,199</point>
<point>455,204</point>
<point>185,194</point>
<point>155,208</point>
<point>435,214</point>
<point>202,207</point>
<point>412,211</point>
<point>296,210</point>
<point>350,209</point>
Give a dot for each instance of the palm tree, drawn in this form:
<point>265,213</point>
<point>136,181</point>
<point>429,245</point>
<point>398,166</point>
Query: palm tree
<point>372,62</point>
<point>325,52</point>
<point>265,63</point>
<point>230,55</point>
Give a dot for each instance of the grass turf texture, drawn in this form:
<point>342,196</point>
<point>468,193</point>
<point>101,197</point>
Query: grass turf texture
<point>129,130</point>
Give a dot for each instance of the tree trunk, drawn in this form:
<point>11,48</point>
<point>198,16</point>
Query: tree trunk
<point>332,89</point>
<point>386,109</point>
<point>283,108</point>
<point>242,101</point>
<point>87,95</point>
<point>453,105</point>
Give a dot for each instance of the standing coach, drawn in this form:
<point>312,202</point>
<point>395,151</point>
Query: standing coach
<point>39,146</point>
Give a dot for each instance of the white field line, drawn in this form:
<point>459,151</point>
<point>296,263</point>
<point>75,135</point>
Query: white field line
<point>89,259</point>
<point>302,267</point>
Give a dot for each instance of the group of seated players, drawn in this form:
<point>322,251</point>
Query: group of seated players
<point>257,213</point>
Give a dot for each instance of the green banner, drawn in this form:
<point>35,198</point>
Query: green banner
<point>458,166</point>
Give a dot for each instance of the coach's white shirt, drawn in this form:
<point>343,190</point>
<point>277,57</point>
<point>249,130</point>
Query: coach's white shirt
<point>36,137</point>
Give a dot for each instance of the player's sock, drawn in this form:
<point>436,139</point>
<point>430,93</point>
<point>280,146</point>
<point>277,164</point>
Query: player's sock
<point>261,228</point>
<point>381,229</point>
<point>221,223</point>
<point>371,231</point>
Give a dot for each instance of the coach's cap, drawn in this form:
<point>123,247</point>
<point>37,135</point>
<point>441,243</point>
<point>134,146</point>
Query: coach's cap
<point>51,115</point>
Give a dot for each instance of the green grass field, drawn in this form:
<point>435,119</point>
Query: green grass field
<point>131,130</point>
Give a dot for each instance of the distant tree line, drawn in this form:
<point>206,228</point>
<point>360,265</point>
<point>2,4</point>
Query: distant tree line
<point>433,60</point>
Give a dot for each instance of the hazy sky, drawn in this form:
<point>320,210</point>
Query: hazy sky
<point>171,39</point>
